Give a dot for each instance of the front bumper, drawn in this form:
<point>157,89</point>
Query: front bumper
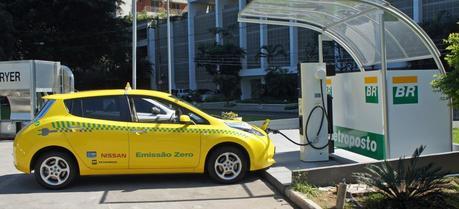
<point>266,158</point>
<point>19,158</point>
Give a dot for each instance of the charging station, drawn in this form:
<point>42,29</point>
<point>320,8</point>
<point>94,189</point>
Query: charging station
<point>312,107</point>
<point>378,112</point>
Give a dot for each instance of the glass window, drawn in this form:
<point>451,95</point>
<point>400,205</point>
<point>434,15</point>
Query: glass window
<point>44,110</point>
<point>155,110</point>
<point>103,108</point>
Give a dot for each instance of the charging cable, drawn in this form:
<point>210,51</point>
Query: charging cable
<point>324,116</point>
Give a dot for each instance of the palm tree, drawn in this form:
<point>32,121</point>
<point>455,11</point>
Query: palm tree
<point>408,184</point>
<point>270,52</point>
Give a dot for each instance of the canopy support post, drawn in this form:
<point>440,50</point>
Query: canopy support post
<point>321,49</point>
<point>382,34</point>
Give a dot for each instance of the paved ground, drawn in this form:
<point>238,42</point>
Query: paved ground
<point>146,191</point>
<point>288,155</point>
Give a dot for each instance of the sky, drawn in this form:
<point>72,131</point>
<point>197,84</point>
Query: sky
<point>126,7</point>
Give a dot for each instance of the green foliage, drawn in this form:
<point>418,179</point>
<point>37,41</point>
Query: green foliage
<point>229,115</point>
<point>408,184</point>
<point>449,84</point>
<point>453,48</point>
<point>269,100</point>
<point>300,184</point>
<point>374,201</point>
<point>309,190</point>
<point>6,33</point>
<point>281,84</point>
<point>270,52</point>
<point>223,63</point>
<point>456,135</point>
<point>85,35</point>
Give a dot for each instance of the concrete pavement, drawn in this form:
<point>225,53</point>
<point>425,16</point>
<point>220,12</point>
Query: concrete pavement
<point>139,191</point>
<point>288,159</point>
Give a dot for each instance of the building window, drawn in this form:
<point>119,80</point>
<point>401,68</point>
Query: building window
<point>155,4</point>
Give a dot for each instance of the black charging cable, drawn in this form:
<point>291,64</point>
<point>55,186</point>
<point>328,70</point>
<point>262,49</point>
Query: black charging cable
<point>324,116</point>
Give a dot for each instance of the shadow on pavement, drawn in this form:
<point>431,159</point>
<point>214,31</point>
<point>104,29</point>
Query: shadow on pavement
<point>142,184</point>
<point>25,184</point>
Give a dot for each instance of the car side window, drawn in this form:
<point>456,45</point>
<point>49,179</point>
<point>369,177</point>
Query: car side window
<point>150,110</point>
<point>155,110</point>
<point>113,108</point>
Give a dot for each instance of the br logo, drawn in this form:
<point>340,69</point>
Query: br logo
<point>371,90</point>
<point>405,90</point>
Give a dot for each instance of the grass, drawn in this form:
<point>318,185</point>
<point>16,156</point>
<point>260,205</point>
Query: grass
<point>254,117</point>
<point>456,135</point>
<point>268,101</point>
<point>452,196</point>
<point>309,190</point>
<point>327,199</point>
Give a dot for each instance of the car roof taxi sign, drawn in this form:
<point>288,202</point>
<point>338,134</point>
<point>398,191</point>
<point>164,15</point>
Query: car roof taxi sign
<point>128,86</point>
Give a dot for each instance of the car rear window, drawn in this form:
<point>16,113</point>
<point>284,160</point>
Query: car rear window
<point>113,108</point>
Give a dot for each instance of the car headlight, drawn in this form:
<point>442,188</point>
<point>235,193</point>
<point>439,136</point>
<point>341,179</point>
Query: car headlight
<point>243,126</point>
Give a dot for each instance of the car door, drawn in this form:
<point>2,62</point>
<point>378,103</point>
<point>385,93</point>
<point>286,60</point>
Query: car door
<point>164,142</point>
<point>97,130</point>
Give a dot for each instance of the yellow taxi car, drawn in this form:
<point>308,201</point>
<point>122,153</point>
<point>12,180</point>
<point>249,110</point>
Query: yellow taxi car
<point>108,132</point>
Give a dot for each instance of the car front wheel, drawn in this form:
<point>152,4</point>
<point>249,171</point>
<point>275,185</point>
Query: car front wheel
<point>227,165</point>
<point>55,170</point>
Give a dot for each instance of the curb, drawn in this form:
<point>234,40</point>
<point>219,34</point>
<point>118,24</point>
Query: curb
<point>300,200</point>
<point>276,183</point>
<point>293,196</point>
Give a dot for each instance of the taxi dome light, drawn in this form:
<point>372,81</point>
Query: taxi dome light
<point>128,86</point>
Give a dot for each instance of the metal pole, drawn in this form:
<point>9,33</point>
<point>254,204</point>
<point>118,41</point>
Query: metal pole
<point>382,31</point>
<point>169,50</point>
<point>134,44</point>
<point>321,50</point>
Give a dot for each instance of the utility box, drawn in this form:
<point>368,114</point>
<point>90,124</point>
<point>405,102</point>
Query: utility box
<point>22,86</point>
<point>416,113</point>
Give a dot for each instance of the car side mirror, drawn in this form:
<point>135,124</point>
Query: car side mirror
<point>185,119</point>
<point>155,110</point>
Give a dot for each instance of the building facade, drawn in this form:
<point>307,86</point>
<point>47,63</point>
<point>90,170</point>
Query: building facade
<point>158,7</point>
<point>194,28</point>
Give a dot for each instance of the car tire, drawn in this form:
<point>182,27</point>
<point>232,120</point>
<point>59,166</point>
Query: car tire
<point>227,165</point>
<point>55,170</point>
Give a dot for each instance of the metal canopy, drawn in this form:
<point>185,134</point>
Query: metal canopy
<point>354,24</point>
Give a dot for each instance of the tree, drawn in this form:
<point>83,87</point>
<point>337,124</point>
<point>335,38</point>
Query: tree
<point>270,52</point>
<point>223,63</point>
<point>279,82</point>
<point>7,39</point>
<point>85,35</point>
<point>449,84</point>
